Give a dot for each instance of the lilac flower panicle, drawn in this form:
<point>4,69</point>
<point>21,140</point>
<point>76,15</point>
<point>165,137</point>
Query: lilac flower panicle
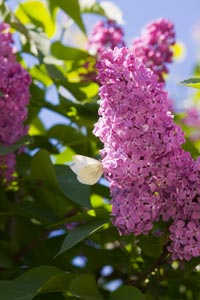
<point>6,43</point>
<point>154,46</point>
<point>150,175</point>
<point>14,97</point>
<point>105,35</point>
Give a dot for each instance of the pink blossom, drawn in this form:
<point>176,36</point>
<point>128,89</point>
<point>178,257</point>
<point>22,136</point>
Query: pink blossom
<point>150,175</point>
<point>14,97</point>
<point>154,46</point>
<point>105,35</point>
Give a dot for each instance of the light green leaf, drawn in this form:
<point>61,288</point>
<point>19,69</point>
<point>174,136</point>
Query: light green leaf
<point>192,82</point>
<point>12,148</point>
<point>79,234</point>
<point>74,190</point>
<point>72,8</point>
<point>127,293</point>
<point>85,286</point>
<point>67,53</point>
<point>36,12</point>
<point>105,8</point>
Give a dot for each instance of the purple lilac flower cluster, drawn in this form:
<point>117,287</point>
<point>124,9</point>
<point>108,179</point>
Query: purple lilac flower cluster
<point>150,175</point>
<point>105,35</point>
<point>154,46</point>
<point>14,96</point>
<point>6,41</point>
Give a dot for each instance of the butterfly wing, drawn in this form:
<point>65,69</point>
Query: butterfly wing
<point>90,174</point>
<point>87,169</point>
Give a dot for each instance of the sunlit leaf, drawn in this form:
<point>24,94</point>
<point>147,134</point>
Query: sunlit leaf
<point>36,12</point>
<point>192,82</point>
<point>67,53</point>
<point>72,8</point>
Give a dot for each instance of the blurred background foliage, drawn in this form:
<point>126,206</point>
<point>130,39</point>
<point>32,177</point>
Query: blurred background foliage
<point>57,238</point>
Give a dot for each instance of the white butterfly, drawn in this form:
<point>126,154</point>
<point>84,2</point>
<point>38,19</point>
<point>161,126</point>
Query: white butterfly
<point>87,169</point>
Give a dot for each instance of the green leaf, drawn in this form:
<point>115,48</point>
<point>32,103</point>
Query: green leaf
<point>151,245</point>
<point>25,286</point>
<point>42,168</point>
<point>84,286</point>
<point>105,8</point>
<point>68,53</point>
<point>92,8</point>
<point>10,149</point>
<point>192,82</point>
<point>74,190</point>
<point>72,8</point>
<point>47,191</point>
<point>126,293</point>
<point>5,261</point>
<point>66,134</point>
<point>58,283</point>
<point>79,234</point>
<point>36,12</point>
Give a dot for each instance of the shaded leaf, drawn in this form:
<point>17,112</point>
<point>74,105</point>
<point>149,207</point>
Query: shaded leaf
<point>26,285</point>
<point>151,245</point>
<point>12,148</point>
<point>85,286</point>
<point>79,234</point>
<point>74,190</point>
<point>127,293</point>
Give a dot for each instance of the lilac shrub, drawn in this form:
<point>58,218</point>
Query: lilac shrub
<point>14,97</point>
<point>151,177</point>
<point>154,46</point>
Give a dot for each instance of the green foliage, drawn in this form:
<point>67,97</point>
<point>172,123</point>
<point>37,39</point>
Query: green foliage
<point>57,236</point>
<point>192,82</point>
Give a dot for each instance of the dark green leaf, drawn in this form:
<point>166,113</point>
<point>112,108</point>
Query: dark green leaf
<point>25,287</point>
<point>79,234</point>
<point>42,168</point>
<point>10,149</point>
<point>151,245</point>
<point>84,286</point>
<point>127,293</point>
<point>58,283</point>
<point>74,190</point>
<point>67,134</point>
